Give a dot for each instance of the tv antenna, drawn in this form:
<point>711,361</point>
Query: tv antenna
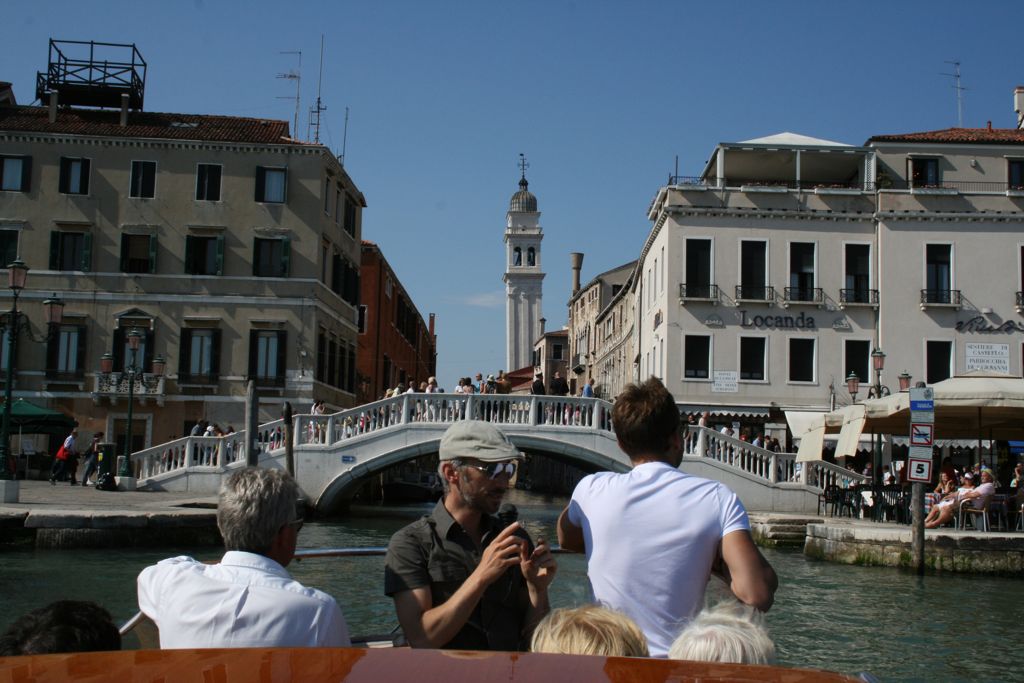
<point>294,75</point>
<point>523,164</point>
<point>344,139</point>
<point>959,90</point>
<point>318,108</point>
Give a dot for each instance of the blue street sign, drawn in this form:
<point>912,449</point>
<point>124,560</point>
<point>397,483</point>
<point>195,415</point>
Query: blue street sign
<point>348,458</point>
<point>922,405</point>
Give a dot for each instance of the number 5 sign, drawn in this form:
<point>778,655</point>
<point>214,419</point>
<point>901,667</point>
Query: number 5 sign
<point>919,470</point>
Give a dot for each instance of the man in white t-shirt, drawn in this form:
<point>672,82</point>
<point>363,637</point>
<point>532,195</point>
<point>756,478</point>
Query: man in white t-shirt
<point>654,535</point>
<point>248,599</point>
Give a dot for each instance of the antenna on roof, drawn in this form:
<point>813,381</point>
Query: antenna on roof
<point>316,109</point>
<point>344,139</point>
<point>959,89</point>
<point>294,75</point>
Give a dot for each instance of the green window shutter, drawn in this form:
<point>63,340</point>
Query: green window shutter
<point>261,182</point>
<point>253,347</point>
<point>255,256</point>
<point>152,253</point>
<point>185,351</point>
<point>65,175</point>
<point>220,254</point>
<point>118,350</point>
<point>86,264</point>
<point>124,253</point>
<point>215,355</point>
<point>282,356</point>
<point>80,360</point>
<point>53,347</point>
<point>286,256</point>
<point>26,174</point>
<point>54,249</point>
<point>189,246</point>
<point>284,197</point>
<point>84,189</point>
<point>147,360</point>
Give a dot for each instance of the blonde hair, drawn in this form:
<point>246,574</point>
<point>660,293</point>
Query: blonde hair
<point>589,630</point>
<point>728,632</point>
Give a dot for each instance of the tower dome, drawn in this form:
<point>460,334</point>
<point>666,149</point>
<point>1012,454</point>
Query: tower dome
<point>524,199</point>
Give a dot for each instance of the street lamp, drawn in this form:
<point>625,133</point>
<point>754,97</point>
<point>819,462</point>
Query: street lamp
<point>853,385</point>
<point>17,274</point>
<point>131,369</point>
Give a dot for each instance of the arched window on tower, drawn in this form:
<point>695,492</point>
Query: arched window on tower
<point>531,257</point>
<point>517,257</point>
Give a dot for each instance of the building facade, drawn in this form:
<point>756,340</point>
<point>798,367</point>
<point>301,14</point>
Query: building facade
<point>523,278</point>
<point>230,246</point>
<point>600,329</point>
<point>395,345</point>
<point>550,355</point>
<point>777,273</point>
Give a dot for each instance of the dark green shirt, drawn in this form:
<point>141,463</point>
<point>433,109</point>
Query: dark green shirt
<point>436,551</point>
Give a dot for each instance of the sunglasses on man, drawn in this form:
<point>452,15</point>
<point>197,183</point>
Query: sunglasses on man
<point>494,469</point>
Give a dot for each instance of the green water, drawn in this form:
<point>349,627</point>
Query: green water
<point>890,623</point>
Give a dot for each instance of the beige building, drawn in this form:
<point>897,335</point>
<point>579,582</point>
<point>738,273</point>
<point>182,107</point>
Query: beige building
<point>600,329</point>
<point>232,247</point>
<point>775,274</point>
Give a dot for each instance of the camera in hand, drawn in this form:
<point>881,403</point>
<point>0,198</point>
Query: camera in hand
<point>507,514</point>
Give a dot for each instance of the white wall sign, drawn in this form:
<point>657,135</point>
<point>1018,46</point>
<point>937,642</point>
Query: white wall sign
<point>987,357</point>
<point>920,470</point>
<point>725,382</point>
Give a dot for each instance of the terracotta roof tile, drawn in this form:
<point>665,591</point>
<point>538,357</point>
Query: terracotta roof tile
<point>105,123</point>
<point>984,136</point>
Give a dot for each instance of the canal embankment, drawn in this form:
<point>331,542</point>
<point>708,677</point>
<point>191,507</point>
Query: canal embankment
<point>65,516</point>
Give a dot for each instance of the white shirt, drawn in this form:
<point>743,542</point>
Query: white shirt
<point>247,600</point>
<point>651,536</point>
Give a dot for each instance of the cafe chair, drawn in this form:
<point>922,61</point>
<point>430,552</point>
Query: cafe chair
<point>968,510</point>
<point>828,500</point>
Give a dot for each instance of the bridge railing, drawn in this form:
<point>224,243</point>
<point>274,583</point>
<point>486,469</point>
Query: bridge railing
<point>445,409</point>
<point>190,451</point>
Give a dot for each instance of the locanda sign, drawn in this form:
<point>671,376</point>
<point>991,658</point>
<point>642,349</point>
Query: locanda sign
<point>781,322</point>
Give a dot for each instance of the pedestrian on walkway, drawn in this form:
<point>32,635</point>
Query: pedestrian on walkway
<point>92,459</point>
<point>60,461</point>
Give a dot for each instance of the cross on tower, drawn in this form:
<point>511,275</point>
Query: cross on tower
<point>523,164</point>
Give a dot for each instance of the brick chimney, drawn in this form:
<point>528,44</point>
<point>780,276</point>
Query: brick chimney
<point>576,258</point>
<point>53,106</point>
<point>125,98</point>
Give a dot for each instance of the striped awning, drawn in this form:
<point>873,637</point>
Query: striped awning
<point>721,411</point>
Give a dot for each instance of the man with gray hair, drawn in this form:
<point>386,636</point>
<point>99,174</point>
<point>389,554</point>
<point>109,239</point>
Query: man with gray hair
<point>460,577</point>
<point>248,600</point>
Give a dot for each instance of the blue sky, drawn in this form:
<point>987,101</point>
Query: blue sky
<point>600,96</point>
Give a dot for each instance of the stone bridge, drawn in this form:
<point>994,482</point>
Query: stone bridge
<point>335,454</point>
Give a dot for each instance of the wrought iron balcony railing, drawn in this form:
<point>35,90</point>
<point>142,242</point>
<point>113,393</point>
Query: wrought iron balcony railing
<point>858,297</point>
<point>803,295</point>
<point>115,385</point>
<point>698,292</point>
<point>755,293</point>
<point>941,297</point>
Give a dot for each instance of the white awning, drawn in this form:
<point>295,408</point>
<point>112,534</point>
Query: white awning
<point>849,437</point>
<point>740,411</point>
<point>811,444</point>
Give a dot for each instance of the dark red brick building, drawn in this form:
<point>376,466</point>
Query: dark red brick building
<point>395,344</point>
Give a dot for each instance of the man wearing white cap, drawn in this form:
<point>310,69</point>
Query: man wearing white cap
<point>461,579</point>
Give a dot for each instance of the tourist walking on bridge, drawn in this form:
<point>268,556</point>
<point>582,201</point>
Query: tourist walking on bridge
<point>654,535</point>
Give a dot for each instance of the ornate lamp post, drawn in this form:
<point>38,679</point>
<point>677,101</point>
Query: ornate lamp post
<point>877,390</point>
<point>17,274</point>
<point>133,343</point>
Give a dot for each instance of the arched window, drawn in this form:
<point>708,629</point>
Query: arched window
<point>517,257</point>
<point>531,257</point>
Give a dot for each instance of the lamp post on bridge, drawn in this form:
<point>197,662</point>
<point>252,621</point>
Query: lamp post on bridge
<point>877,390</point>
<point>17,275</point>
<point>133,370</point>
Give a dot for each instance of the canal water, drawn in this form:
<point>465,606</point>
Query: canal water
<point>888,622</point>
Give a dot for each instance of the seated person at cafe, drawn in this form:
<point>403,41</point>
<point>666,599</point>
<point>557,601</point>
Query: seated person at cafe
<point>589,630</point>
<point>946,484</point>
<point>62,626</point>
<point>943,512</point>
<point>248,599</point>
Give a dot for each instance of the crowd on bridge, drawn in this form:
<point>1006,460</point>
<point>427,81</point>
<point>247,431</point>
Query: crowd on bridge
<point>469,576</point>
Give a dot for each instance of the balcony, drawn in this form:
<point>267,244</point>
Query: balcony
<point>947,187</point>
<point>940,298</point>
<point>755,294</point>
<point>698,292</point>
<point>114,386</point>
<point>858,297</point>
<point>577,364</point>
<point>812,296</point>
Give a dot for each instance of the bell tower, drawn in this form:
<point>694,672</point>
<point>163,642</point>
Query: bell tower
<point>523,276</point>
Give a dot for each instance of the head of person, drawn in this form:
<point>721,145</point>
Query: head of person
<point>986,476</point>
<point>257,513</point>
<point>97,436</point>
<point>729,632</point>
<point>589,630</point>
<point>62,626</point>
<point>479,377</point>
<point>477,464</point>
<point>647,422</point>
<point>558,375</point>
<point>432,381</point>
<point>968,480</point>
